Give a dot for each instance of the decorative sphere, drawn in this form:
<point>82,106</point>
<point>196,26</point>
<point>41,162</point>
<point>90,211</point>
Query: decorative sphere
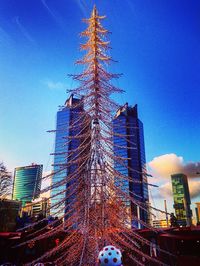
<point>110,256</point>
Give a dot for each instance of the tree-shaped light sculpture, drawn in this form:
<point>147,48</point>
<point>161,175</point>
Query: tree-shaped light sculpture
<point>95,203</point>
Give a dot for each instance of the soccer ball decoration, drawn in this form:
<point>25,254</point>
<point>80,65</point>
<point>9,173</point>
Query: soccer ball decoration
<point>110,256</point>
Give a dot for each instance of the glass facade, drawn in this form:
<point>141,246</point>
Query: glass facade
<point>27,183</point>
<point>181,199</point>
<point>66,117</point>
<point>127,124</point>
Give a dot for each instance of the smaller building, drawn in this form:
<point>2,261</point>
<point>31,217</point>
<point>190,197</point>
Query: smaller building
<point>9,210</point>
<point>37,207</point>
<point>160,223</point>
<point>27,183</point>
<point>197,210</point>
<point>182,200</point>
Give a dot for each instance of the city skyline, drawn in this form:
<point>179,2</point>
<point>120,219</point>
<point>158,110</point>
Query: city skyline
<point>160,67</point>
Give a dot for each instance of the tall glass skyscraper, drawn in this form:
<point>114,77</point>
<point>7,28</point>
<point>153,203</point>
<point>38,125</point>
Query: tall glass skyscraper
<point>130,136</point>
<point>67,116</point>
<point>27,183</point>
<point>181,199</point>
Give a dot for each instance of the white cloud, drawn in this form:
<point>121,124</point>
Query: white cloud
<point>166,190</point>
<point>192,169</point>
<point>165,165</point>
<point>52,85</point>
<point>194,187</point>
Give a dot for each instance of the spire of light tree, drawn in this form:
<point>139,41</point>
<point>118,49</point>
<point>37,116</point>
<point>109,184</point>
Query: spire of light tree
<point>95,205</point>
<point>95,80</point>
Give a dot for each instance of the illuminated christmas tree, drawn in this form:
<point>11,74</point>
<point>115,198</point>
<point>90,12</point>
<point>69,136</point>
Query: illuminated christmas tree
<point>95,206</point>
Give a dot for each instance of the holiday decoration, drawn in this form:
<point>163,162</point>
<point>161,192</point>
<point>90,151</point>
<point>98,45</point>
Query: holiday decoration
<point>96,208</point>
<point>110,256</point>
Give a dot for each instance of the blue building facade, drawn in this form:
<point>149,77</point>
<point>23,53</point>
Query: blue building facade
<point>129,134</point>
<point>68,116</point>
<point>27,183</point>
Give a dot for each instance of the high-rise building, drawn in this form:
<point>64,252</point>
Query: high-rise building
<point>182,201</point>
<point>27,183</point>
<point>197,210</point>
<point>130,136</point>
<point>68,124</point>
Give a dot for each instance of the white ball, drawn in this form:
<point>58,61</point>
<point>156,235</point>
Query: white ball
<point>110,256</point>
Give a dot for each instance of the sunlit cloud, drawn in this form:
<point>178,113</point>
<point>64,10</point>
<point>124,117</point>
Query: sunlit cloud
<point>165,190</point>
<point>194,187</point>
<point>192,169</point>
<point>165,165</point>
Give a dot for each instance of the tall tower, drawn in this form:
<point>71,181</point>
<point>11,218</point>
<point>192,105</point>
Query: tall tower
<point>181,199</point>
<point>126,123</point>
<point>68,126</point>
<point>27,183</point>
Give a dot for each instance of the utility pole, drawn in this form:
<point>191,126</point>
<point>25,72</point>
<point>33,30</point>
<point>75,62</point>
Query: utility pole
<point>165,204</point>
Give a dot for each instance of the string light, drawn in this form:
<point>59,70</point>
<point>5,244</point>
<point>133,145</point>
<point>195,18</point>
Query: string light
<point>96,212</point>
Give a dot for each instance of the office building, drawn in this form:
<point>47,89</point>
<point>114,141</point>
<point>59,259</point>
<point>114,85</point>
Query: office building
<point>9,210</point>
<point>181,199</point>
<point>27,183</point>
<point>197,210</point>
<point>160,223</point>
<point>68,124</point>
<point>127,124</point>
<point>39,206</point>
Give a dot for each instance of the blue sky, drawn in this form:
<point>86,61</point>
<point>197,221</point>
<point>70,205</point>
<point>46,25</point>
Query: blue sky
<point>156,44</point>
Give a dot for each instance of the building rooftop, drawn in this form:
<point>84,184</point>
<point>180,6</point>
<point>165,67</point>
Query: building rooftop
<point>127,110</point>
